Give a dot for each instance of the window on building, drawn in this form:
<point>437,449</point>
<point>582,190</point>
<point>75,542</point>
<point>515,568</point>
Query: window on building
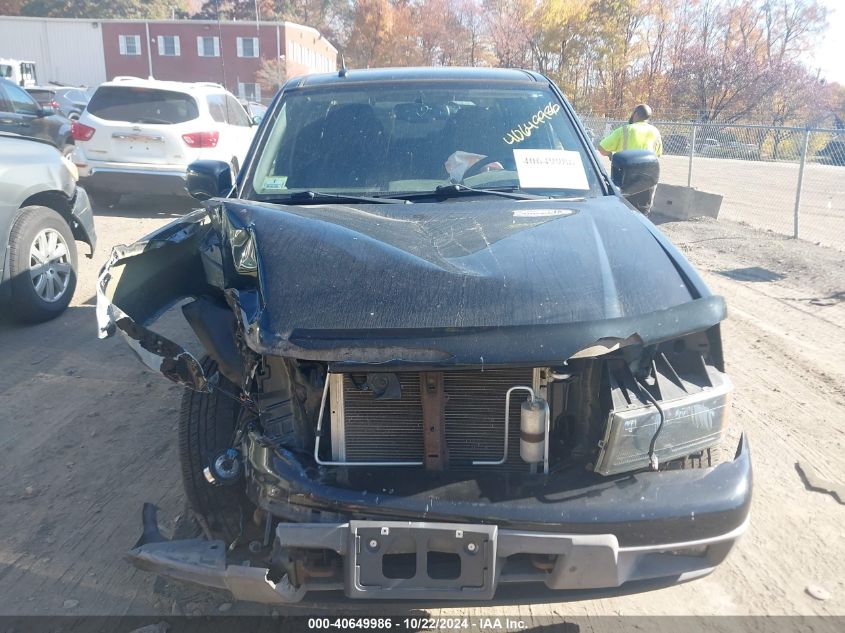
<point>130,44</point>
<point>208,46</point>
<point>168,45</point>
<point>247,47</point>
<point>249,91</point>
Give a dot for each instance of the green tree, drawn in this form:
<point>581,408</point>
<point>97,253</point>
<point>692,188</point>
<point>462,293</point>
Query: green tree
<point>238,10</point>
<point>559,40</point>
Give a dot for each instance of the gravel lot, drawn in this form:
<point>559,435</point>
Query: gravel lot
<point>87,435</point>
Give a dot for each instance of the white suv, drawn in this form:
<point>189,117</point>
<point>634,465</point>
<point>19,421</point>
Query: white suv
<point>140,135</point>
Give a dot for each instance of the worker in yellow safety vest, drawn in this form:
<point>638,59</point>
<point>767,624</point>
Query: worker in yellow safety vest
<point>638,133</point>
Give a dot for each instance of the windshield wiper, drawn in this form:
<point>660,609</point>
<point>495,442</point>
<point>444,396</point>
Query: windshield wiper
<point>457,189</point>
<point>318,197</point>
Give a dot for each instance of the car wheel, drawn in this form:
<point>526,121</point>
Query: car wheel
<point>207,424</point>
<point>104,198</point>
<point>42,264</point>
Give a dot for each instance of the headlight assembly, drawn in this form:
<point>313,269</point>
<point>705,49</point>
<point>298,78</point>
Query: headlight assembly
<point>691,423</point>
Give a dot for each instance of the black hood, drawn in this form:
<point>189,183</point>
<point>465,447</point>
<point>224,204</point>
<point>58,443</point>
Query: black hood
<point>480,282</point>
<point>345,277</point>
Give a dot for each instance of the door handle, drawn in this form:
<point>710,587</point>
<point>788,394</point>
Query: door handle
<point>7,121</point>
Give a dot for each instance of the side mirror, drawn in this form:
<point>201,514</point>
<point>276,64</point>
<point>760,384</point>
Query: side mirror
<point>42,112</point>
<point>207,179</point>
<point>634,170</point>
<point>256,119</point>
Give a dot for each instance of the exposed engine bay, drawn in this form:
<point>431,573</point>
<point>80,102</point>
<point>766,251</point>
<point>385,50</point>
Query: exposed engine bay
<point>592,412</point>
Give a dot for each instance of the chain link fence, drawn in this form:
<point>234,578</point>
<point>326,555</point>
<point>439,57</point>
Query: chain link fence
<point>782,179</point>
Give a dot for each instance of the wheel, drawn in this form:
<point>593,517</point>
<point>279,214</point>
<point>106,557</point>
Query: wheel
<point>207,424</point>
<point>42,264</point>
<point>104,198</point>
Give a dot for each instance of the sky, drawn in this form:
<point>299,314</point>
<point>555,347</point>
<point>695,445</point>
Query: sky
<point>830,52</point>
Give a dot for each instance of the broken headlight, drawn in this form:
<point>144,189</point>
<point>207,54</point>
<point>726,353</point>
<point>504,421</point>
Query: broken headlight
<point>691,424</point>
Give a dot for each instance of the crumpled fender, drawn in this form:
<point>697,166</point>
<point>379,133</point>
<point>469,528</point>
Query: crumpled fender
<point>141,281</point>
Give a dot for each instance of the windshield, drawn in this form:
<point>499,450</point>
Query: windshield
<point>389,140</point>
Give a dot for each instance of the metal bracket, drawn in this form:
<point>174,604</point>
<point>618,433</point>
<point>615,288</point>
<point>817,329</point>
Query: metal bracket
<point>433,398</point>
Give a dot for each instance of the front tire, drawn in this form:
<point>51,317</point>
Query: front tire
<point>207,424</point>
<point>42,264</point>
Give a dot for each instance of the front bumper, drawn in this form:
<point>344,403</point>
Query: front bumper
<point>641,509</point>
<point>581,563</point>
<point>612,547</point>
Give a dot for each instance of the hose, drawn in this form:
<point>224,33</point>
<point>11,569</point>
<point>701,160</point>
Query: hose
<point>652,457</point>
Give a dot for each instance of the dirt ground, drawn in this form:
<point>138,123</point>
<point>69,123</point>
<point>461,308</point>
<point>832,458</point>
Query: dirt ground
<point>87,435</point>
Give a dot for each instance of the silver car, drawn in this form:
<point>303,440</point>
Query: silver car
<point>42,214</point>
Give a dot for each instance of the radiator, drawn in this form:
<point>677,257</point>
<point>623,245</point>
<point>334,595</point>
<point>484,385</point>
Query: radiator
<point>365,429</point>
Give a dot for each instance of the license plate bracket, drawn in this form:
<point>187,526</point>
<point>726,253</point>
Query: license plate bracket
<point>408,560</point>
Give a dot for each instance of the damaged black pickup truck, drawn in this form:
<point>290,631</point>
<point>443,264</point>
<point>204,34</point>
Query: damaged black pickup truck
<point>441,354</point>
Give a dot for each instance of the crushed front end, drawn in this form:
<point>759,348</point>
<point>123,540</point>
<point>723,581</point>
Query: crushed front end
<point>422,419</point>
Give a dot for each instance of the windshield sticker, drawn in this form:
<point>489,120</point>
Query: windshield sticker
<point>550,169</point>
<point>274,183</point>
<point>523,130</point>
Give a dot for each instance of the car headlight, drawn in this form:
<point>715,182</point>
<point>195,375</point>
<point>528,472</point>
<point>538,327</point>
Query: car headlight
<point>691,424</point>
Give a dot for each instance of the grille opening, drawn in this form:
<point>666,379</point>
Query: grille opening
<point>399,566</point>
<point>443,565</point>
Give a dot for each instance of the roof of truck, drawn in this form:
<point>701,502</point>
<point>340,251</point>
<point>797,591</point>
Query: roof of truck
<point>442,73</point>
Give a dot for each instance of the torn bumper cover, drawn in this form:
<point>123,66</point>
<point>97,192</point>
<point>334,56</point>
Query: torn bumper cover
<point>149,276</point>
<point>420,285</point>
<point>596,555</point>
